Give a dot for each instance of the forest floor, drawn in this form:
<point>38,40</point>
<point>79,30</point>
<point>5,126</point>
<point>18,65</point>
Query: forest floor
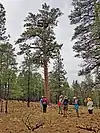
<point>21,119</point>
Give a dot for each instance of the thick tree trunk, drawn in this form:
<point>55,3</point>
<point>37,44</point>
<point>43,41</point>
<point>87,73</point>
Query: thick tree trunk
<point>1,105</point>
<point>1,94</point>
<point>0,89</point>
<point>28,89</point>
<point>99,99</point>
<point>46,89</point>
<point>7,97</point>
<point>7,87</point>
<point>6,106</point>
<point>1,97</point>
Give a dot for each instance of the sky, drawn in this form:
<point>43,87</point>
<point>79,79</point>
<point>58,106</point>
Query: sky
<point>17,10</point>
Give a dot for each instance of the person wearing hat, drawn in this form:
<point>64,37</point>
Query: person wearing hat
<point>76,105</point>
<point>65,105</point>
<point>41,104</point>
<point>60,103</point>
<point>90,105</point>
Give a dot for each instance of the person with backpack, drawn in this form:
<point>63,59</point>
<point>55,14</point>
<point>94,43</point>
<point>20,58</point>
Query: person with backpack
<point>90,105</point>
<point>44,103</point>
<point>41,104</point>
<point>76,105</point>
<point>60,104</point>
<point>65,105</point>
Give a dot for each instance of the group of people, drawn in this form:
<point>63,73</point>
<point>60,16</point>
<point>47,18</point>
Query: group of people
<point>63,103</point>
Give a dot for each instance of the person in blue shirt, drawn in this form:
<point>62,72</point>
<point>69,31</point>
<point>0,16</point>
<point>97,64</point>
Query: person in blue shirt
<point>76,105</point>
<point>65,105</point>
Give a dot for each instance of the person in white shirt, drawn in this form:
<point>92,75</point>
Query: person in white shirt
<point>90,105</point>
<point>60,103</point>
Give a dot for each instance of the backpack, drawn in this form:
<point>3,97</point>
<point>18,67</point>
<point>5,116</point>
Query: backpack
<point>65,102</point>
<point>44,101</point>
<point>41,100</point>
<point>76,101</point>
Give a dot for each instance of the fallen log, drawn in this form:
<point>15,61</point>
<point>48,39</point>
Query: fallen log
<point>40,124</point>
<point>30,126</point>
<point>89,128</point>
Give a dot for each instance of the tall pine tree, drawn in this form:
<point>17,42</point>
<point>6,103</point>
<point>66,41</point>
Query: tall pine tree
<point>39,29</point>
<point>84,15</point>
<point>2,22</point>
<point>58,80</point>
<point>27,68</point>
<point>2,33</point>
<point>9,69</point>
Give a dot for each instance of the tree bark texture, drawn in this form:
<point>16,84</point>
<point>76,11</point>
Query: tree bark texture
<point>46,89</point>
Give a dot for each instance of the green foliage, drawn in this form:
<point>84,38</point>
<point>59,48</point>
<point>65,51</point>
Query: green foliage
<point>42,37</point>
<point>36,86</point>
<point>96,25</point>
<point>7,59</point>
<point>84,89</point>
<point>57,79</point>
<point>2,22</point>
<point>87,86</point>
<point>39,31</point>
<point>8,67</point>
<point>76,88</point>
<point>84,16</point>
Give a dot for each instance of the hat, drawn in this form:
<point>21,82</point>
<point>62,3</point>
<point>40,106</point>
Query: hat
<point>89,99</point>
<point>74,97</point>
<point>65,97</point>
<point>60,96</point>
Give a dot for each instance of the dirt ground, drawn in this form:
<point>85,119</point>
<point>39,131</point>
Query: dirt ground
<point>21,119</point>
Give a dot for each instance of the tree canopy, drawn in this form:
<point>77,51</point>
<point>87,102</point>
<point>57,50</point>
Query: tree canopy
<point>84,16</point>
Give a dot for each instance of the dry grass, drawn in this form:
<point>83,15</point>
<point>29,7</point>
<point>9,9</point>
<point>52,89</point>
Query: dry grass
<point>19,115</point>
